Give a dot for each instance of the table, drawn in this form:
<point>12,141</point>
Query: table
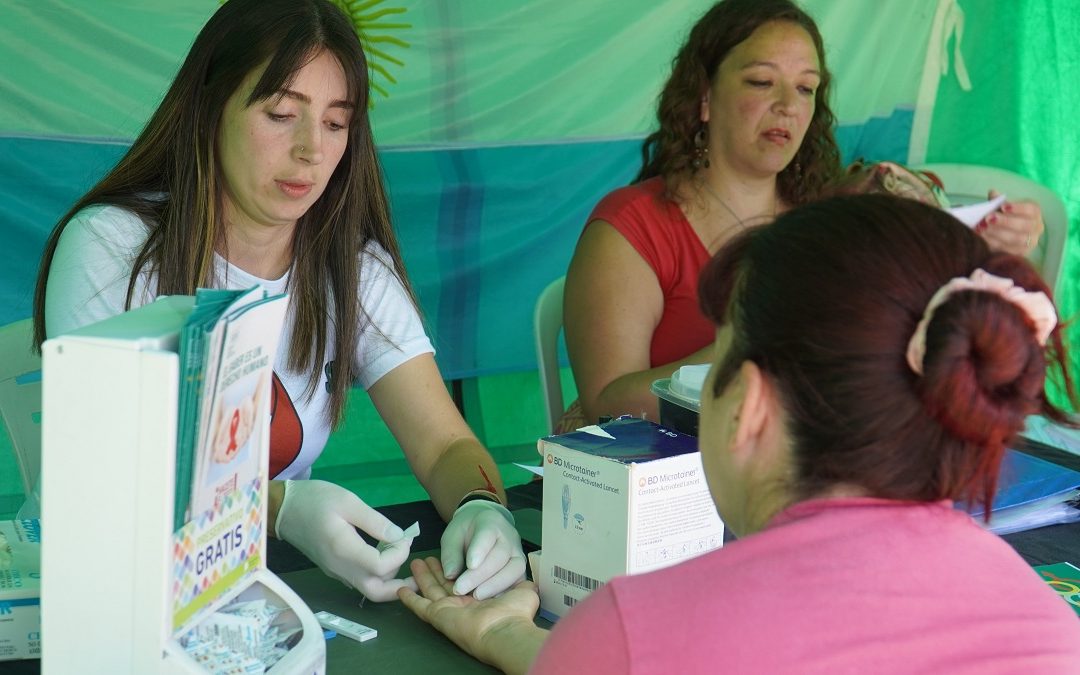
<point>407,645</point>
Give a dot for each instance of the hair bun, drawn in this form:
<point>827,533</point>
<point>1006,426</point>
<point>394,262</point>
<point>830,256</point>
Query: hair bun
<point>983,371</point>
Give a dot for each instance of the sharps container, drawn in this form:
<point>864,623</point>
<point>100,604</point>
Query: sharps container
<point>680,398</point>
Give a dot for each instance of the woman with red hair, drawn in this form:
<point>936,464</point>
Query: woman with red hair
<point>872,359</point>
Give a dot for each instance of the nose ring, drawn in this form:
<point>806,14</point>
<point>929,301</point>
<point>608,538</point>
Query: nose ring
<point>301,148</point>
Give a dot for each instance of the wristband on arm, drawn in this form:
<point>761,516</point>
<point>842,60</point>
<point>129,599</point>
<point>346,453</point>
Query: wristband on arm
<point>482,494</point>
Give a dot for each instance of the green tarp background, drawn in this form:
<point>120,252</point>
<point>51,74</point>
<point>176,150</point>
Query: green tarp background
<point>507,122</point>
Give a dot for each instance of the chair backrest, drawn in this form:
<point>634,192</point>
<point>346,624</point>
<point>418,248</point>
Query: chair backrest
<point>968,183</point>
<point>547,323</point>
<point>20,397</point>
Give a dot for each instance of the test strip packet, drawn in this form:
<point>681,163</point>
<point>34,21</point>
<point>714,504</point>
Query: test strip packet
<point>343,626</point>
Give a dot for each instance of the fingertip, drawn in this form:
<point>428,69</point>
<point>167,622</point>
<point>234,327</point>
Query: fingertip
<point>464,585</point>
<point>474,559</point>
<point>451,563</point>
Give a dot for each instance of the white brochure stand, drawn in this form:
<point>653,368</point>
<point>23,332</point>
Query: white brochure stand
<point>119,586</point>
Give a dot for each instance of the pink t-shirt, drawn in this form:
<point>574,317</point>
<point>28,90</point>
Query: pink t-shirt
<point>660,233</point>
<point>831,586</point>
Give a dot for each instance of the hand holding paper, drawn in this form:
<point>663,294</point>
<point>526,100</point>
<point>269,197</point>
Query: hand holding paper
<point>972,214</point>
<point>320,518</point>
<point>1009,227</point>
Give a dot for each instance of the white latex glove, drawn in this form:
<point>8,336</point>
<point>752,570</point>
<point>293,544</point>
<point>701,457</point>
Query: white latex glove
<point>320,518</point>
<point>481,549</point>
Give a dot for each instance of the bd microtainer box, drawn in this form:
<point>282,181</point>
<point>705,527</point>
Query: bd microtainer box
<point>629,501</point>
<point>20,589</point>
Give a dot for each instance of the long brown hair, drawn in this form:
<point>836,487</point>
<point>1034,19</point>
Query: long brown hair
<point>176,156</point>
<point>825,299</point>
<point>667,152</point>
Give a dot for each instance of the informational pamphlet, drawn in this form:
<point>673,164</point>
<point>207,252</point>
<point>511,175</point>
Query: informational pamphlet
<point>227,352</point>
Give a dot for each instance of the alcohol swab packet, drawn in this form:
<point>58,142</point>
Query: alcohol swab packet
<point>412,532</point>
<point>972,214</point>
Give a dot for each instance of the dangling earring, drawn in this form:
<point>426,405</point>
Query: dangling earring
<point>701,149</point>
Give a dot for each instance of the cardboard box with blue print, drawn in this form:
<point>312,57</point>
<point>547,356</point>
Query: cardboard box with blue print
<point>20,589</point>
<point>627,497</point>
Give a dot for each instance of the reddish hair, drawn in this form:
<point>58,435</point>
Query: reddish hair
<point>668,150</point>
<point>824,301</point>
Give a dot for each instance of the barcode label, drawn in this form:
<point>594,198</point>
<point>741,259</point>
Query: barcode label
<point>575,579</point>
<point>568,601</point>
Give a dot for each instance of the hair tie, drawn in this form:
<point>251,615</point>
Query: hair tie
<point>1034,303</point>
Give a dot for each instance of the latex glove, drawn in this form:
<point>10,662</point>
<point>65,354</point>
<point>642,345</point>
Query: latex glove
<point>320,518</point>
<point>481,550</point>
<point>1015,228</point>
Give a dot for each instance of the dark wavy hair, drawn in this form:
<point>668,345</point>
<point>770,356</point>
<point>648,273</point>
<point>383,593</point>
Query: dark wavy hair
<point>825,299</point>
<point>176,155</point>
<point>667,152</point>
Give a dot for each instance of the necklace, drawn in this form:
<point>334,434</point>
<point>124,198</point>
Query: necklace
<point>741,223</point>
<point>727,208</point>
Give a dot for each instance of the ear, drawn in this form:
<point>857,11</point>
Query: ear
<point>705,98</point>
<point>756,412</point>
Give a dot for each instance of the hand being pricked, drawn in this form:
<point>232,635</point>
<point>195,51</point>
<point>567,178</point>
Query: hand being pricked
<point>1015,228</point>
<point>477,626</point>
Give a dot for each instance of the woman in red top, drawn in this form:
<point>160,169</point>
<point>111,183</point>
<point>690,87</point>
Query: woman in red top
<point>745,133</point>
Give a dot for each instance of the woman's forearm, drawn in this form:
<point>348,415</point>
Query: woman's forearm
<point>464,466</point>
<point>630,394</point>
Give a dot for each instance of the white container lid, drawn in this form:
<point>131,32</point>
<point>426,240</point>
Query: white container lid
<point>663,389</point>
<point>688,381</point>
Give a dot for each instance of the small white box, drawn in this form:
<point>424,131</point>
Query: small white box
<point>20,589</point>
<point>629,503</point>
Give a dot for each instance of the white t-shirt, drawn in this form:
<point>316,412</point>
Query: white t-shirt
<point>88,282</point>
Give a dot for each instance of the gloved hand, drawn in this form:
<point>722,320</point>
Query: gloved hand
<point>482,550</point>
<point>318,518</point>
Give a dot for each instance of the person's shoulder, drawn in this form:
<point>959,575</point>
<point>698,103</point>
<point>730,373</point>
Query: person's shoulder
<point>108,220</point>
<point>644,215</point>
<point>104,229</point>
<point>646,194</point>
<point>375,258</point>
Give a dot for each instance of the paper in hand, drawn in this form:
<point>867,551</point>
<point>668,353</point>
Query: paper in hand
<point>411,533</point>
<point>972,214</point>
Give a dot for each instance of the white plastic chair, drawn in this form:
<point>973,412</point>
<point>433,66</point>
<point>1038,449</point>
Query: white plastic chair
<point>20,402</point>
<point>547,323</point>
<point>968,183</point>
